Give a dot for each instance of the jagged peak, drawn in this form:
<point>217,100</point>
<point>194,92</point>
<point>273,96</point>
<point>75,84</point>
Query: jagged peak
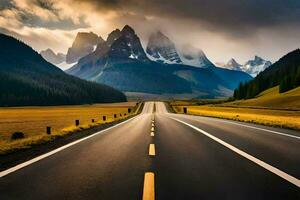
<point>128,29</point>
<point>115,34</point>
<point>257,58</point>
<point>48,50</point>
<point>232,61</point>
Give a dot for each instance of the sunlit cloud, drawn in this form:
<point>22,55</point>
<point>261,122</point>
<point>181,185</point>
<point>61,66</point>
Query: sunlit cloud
<point>223,29</point>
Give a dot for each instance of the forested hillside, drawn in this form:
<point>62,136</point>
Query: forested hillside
<point>27,79</point>
<point>285,73</point>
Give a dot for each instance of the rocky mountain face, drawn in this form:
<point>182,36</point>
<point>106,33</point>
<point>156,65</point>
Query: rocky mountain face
<point>84,44</point>
<point>120,46</point>
<point>252,67</point>
<point>127,45</point>
<point>121,62</point>
<point>53,58</point>
<point>113,36</point>
<point>161,49</point>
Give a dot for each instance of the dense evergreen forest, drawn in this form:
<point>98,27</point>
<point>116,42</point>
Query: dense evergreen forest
<point>285,73</point>
<point>27,79</point>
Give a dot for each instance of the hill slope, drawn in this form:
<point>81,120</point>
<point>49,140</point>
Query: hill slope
<point>27,79</point>
<point>285,73</point>
<point>271,98</point>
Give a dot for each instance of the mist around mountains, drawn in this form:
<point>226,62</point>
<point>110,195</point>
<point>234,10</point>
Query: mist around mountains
<point>159,48</point>
<point>252,67</point>
<point>52,57</point>
<point>160,70</point>
<point>121,62</point>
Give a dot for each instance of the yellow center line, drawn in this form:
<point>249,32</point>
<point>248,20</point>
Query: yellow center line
<point>152,134</point>
<point>151,150</point>
<point>152,129</point>
<point>148,191</point>
<point>152,125</point>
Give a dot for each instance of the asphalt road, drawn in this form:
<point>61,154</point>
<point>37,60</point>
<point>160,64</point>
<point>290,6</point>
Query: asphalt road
<point>191,157</point>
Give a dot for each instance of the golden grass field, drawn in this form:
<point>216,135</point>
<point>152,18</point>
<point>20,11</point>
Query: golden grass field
<point>271,98</point>
<point>32,121</point>
<point>268,108</point>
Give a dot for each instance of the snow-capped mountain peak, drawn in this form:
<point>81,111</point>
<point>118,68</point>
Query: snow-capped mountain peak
<point>252,67</point>
<point>233,64</point>
<point>160,48</point>
<point>194,57</point>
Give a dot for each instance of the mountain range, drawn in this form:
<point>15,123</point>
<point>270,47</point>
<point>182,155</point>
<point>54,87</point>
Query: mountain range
<point>26,78</point>
<point>252,67</point>
<point>122,62</point>
<point>159,49</point>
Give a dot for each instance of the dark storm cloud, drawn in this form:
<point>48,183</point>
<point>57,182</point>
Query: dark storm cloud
<point>229,15</point>
<point>47,5</point>
<point>6,4</point>
<point>32,20</point>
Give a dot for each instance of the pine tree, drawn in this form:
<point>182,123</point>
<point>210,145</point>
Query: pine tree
<point>297,77</point>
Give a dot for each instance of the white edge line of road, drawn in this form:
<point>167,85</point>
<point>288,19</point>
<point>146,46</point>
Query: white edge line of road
<point>261,163</point>
<point>38,158</point>
<point>253,127</point>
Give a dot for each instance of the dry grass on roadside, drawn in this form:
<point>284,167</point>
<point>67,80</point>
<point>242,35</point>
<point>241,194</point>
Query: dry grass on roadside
<point>32,121</point>
<point>278,118</point>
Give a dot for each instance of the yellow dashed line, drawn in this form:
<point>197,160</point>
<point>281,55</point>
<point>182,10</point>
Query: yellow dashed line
<point>151,150</point>
<point>148,191</point>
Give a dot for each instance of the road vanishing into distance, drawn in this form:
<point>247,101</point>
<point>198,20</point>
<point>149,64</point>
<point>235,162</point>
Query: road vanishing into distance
<point>160,155</point>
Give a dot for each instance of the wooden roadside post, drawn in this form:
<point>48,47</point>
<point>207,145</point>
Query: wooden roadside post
<point>93,120</point>
<point>77,122</point>
<point>48,130</point>
<point>115,115</point>
<point>185,110</point>
<point>104,118</point>
<point>129,110</point>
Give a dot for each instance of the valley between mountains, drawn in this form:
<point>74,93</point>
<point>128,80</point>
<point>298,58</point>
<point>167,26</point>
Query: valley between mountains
<point>161,70</point>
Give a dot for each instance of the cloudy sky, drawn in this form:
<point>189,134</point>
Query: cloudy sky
<point>221,28</point>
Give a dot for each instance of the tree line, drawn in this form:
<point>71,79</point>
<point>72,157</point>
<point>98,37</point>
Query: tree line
<point>285,73</point>
<point>27,79</point>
